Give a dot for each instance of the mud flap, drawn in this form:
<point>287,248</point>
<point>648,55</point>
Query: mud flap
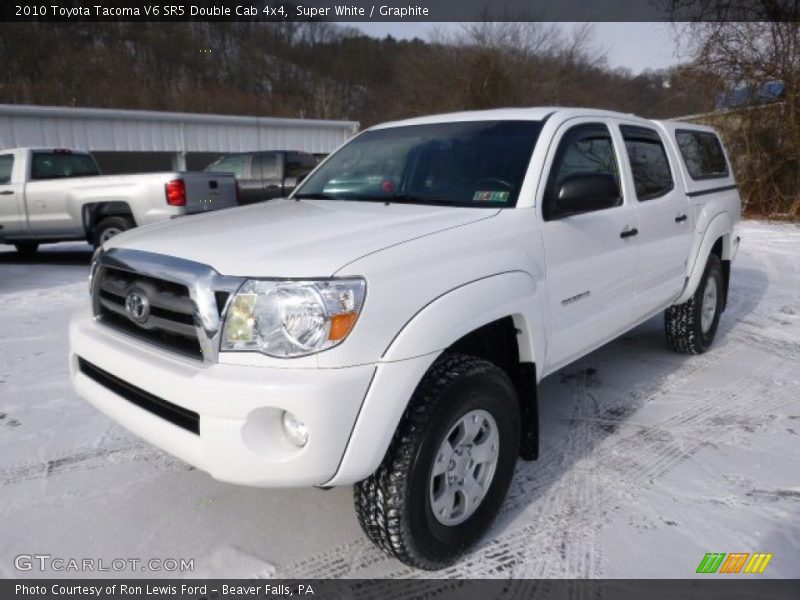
<point>529,411</point>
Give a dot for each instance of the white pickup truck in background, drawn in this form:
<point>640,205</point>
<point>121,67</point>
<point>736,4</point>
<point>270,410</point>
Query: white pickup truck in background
<point>55,195</point>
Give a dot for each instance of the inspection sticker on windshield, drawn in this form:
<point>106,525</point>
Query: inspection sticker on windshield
<point>490,197</point>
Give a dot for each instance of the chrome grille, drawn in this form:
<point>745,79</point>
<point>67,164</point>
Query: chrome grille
<point>170,320</point>
<point>174,304</point>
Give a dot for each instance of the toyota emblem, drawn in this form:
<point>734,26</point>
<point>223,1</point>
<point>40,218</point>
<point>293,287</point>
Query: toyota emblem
<point>137,306</point>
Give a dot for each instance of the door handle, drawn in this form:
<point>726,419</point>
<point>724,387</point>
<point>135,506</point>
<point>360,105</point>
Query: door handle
<point>6,193</point>
<point>630,232</point>
<point>681,218</point>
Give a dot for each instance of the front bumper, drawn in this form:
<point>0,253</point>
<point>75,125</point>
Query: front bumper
<point>240,436</point>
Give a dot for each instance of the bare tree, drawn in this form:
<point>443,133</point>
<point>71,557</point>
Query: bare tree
<point>751,62</point>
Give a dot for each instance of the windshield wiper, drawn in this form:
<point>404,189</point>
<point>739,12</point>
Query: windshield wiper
<point>317,196</point>
<point>409,199</point>
<point>397,198</point>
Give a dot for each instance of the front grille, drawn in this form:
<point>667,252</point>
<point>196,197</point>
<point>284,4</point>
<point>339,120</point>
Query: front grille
<point>170,323</point>
<point>177,415</point>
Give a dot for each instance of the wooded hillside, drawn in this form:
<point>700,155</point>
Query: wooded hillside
<point>323,70</point>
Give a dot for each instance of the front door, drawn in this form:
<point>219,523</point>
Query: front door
<point>12,210</point>
<point>590,257</point>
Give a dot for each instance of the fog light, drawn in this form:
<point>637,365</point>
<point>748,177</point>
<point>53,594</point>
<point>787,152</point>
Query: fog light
<point>294,429</point>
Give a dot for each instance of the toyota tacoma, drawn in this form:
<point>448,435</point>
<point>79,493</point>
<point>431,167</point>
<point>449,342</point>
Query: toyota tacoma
<point>386,326</point>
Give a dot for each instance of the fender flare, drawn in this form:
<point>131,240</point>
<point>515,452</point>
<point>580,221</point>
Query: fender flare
<point>414,349</point>
<point>720,226</point>
<point>444,320</point>
<point>92,212</point>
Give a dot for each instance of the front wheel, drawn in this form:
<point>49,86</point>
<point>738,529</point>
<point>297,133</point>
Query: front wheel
<point>690,327</point>
<point>449,465</point>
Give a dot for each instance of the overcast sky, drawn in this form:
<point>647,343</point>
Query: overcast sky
<point>637,46</point>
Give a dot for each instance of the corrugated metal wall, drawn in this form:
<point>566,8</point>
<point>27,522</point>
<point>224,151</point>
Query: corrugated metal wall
<point>145,131</point>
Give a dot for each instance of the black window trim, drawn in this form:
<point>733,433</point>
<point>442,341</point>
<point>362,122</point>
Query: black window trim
<point>653,137</point>
<point>11,172</point>
<point>548,190</point>
<point>721,147</point>
<point>36,153</point>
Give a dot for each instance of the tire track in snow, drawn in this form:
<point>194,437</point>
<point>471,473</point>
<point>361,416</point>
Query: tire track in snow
<point>543,531</point>
<point>359,555</point>
<point>572,511</point>
<point>90,458</point>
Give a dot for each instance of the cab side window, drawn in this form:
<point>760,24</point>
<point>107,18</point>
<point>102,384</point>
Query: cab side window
<point>584,176</point>
<point>652,177</point>
<point>6,166</point>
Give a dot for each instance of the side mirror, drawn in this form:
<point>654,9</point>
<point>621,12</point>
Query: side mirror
<point>585,192</point>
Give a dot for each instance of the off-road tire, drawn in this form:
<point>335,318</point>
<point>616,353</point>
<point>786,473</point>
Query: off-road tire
<point>100,231</point>
<point>393,505</point>
<point>26,248</point>
<point>682,322</point>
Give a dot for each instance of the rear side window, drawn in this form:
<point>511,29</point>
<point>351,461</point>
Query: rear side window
<point>265,166</point>
<point>231,164</point>
<point>6,165</point>
<point>56,165</point>
<point>702,153</point>
<point>652,177</point>
<point>299,164</point>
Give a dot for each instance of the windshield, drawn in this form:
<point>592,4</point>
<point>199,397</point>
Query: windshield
<point>478,163</point>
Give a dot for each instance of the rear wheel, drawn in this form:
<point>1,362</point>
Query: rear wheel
<point>27,248</point>
<point>448,468</point>
<point>690,327</point>
<point>108,228</point>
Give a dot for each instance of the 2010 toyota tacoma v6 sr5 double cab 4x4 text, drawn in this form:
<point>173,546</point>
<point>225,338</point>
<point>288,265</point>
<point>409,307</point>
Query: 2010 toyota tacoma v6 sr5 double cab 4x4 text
<point>53,195</point>
<point>386,325</point>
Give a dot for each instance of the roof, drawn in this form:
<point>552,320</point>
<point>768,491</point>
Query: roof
<point>115,130</point>
<point>537,113</point>
<point>48,149</point>
<point>750,95</point>
<point>152,115</point>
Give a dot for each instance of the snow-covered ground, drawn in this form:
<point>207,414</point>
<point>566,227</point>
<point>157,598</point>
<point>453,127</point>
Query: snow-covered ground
<point>649,459</point>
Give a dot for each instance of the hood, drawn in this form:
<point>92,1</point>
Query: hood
<point>289,238</point>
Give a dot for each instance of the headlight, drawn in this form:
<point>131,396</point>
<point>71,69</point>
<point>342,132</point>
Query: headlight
<point>292,318</point>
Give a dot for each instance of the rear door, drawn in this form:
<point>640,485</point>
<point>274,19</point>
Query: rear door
<point>663,213</point>
<point>12,209</point>
<point>590,257</point>
<point>268,168</point>
<point>297,165</point>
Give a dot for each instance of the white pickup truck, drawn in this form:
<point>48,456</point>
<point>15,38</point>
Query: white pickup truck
<point>54,195</point>
<point>387,325</point>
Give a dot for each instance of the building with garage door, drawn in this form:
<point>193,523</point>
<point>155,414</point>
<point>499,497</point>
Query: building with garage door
<point>136,141</point>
